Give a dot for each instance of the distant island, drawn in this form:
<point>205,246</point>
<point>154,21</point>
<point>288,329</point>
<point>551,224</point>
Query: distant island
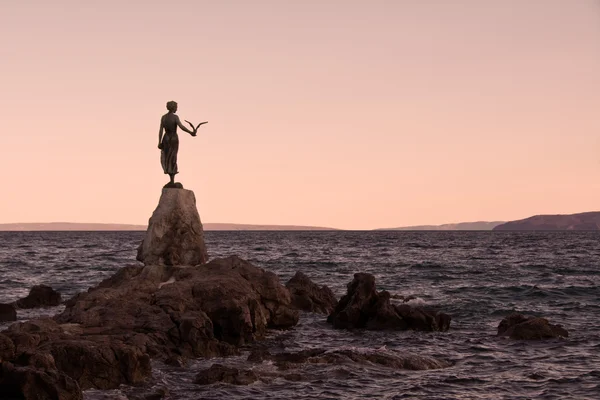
<point>461,226</point>
<point>74,226</point>
<point>587,221</point>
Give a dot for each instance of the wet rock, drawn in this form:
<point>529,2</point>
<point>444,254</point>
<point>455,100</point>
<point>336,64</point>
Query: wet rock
<point>151,394</point>
<point>7,348</point>
<point>8,312</point>
<point>308,296</point>
<point>99,365</point>
<point>28,383</point>
<point>36,359</point>
<point>175,235</point>
<point>364,307</point>
<point>40,296</point>
<point>176,361</point>
<point>219,373</point>
<point>521,327</point>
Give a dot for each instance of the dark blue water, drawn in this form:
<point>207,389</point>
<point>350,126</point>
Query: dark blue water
<point>476,277</point>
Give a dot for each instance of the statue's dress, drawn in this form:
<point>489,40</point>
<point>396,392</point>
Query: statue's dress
<point>170,144</point>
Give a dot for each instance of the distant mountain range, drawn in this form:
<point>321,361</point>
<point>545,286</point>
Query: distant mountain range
<point>587,221</point>
<point>72,226</point>
<point>461,226</point>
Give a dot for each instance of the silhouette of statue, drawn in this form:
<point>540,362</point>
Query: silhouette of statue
<point>169,143</point>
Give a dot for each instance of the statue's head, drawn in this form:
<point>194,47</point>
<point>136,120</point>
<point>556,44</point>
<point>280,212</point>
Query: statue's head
<point>172,106</point>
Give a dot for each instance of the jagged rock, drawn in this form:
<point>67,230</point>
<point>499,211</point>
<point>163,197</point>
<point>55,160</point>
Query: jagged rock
<point>106,336</point>
<point>8,312</point>
<point>308,296</point>
<point>28,383</point>
<point>175,235</point>
<point>220,373</point>
<point>364,307</point>
<point>521,327</point>
<point>40,296</point>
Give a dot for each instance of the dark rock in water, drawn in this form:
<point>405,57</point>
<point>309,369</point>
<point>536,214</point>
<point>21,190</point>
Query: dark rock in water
<point>106,336</point>
<point>153,394</point>
<point>176,361</point>
<point>8,312</point>
<point>40,296</point>
<point>7,348</point>
<point>175,235</point>
<point>308,296</point>
<point>364,307</point>
<point>521,327</point>
<point>28,383</point>
<point>219,373</point>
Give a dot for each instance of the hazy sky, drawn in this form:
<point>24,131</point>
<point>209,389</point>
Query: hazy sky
<point>350,114</point>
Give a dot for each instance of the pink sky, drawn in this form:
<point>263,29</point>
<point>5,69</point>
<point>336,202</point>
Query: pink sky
<point>349,114</point>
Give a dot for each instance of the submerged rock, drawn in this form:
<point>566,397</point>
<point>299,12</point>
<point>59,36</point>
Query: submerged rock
<point>521,327</point>
<point>364,307</point>
<point>308,296</point>
<point>40,296</point>
<point>8,312</point>
<point>219,373</point>
<point>290,360</point>
<point>175,235</point>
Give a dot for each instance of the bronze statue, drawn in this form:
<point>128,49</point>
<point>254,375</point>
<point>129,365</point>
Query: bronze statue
<point>169,143</point>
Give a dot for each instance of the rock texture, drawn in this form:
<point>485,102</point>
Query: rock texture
<point>175,235</point>
<point>107,336</point>
<point>40,296</point>
<point>8,312</point>
<point>308,296</point>
<point>521,327</point>
<point>364,307</point>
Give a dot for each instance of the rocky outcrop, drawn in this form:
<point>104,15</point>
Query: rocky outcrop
<point>521,327</point>
<point>40,296</point>
<point>8,312</point>
<point>107,336</point>
<point>175,235</point>
<point>308,296</point>
<point>364,307</point>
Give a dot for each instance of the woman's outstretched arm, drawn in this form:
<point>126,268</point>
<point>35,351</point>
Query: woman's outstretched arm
<point>183,128</point>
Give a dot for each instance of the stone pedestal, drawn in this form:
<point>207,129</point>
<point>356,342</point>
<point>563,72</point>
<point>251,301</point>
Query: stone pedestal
<point>175,235</point>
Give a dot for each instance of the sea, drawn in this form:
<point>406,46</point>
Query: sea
<point>476,277</point>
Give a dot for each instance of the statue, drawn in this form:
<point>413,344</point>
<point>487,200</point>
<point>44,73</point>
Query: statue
<point>169,143</point>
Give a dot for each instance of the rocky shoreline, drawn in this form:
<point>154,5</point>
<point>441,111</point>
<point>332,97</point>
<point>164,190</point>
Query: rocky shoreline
<point>173,311</point>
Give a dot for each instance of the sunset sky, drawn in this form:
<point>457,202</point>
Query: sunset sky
<point>348,114</point>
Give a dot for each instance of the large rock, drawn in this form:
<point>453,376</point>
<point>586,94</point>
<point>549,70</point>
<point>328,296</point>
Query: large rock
<point>364,307</point>
<point>106,336</point>
<point>175,235</point>
<point>308,296</point>
<point>522,327</point>
<point>40,296</point>
<point>8,312</point>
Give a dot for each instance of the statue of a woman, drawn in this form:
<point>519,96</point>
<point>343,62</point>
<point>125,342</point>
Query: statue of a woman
<point>169,143</point>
